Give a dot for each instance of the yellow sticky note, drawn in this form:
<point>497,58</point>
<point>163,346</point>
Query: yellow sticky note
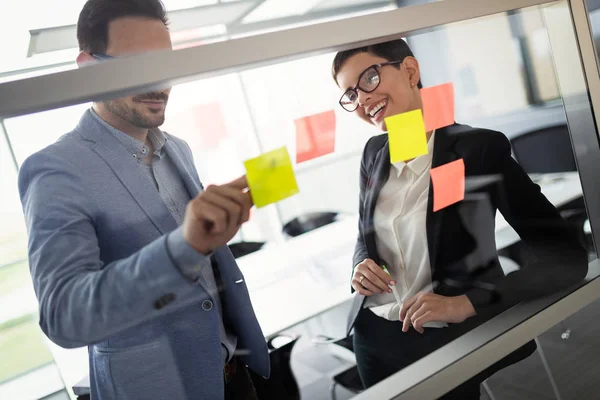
<point>271,177</point>
<point>407,136</point>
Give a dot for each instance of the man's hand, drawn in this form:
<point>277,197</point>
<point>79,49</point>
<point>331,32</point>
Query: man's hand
<point>369,278</point>
<point>425,307</point>
<point>214,216</point>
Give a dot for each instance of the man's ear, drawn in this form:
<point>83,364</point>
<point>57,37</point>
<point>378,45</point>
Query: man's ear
<point>84,58</point>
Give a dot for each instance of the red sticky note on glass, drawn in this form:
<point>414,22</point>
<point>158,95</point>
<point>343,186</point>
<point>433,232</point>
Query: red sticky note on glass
<point>202,126</point>
<point>448,184</point>
<point>438,106</point>
<point>315,136</point>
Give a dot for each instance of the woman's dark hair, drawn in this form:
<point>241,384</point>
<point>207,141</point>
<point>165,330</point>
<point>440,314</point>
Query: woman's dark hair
<point>92,26</point>
<point>395,50</point>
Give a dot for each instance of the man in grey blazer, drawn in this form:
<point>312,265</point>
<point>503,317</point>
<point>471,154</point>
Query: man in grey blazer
<point>127,251</point>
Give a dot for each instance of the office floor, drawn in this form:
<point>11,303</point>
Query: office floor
<point>575,362</point>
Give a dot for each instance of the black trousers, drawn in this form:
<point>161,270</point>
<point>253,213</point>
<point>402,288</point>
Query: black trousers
<point>382,349</point>
<point>240,387</point>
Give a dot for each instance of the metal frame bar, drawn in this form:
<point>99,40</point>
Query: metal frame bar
<point>146,72</point>
<point>549,374</point>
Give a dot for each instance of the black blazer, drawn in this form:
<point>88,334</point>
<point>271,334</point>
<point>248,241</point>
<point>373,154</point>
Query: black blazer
<point>557,258</point>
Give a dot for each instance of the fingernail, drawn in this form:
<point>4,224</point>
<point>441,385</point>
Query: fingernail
<point>389,290</point>
<point>393,283</point>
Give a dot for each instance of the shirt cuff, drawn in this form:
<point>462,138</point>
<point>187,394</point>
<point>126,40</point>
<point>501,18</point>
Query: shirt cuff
<point>188,260</point>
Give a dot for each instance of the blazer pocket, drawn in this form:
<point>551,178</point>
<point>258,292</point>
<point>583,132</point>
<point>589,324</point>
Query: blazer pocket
<point>147,371</point>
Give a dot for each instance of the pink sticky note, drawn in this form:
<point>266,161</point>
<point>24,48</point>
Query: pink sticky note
<point>202,126</point>
<point>315,136</point>
<point>438,106</point>
<point>448,184</point>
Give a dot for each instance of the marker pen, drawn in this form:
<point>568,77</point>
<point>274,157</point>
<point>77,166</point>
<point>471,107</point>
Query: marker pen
<point>394,291</point>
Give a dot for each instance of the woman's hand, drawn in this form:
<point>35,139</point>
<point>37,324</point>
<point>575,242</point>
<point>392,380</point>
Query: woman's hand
<point>369,279</point>
<point>426,307</point>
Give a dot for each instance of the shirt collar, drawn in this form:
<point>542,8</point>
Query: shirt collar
<point>158,140</point>
<point>134,146</point>
<point>419,164</point>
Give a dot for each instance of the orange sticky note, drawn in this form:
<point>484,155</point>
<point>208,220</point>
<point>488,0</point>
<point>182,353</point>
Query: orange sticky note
<point>315,136</point>
<point>438,106</point>
<point>406,133</point>
<point>448,184</point>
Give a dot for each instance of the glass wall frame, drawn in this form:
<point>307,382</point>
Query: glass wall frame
<point>443,369</point>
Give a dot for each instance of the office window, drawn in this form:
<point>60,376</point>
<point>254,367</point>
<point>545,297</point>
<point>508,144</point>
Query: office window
<point>530,30</point>
<point>22,343</point>
<point>31,133</point>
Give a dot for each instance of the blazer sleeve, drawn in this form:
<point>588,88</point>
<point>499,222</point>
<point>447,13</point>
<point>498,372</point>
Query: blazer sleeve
<point>360,249</point>
<point>82,300</point>
<point>558,260</point>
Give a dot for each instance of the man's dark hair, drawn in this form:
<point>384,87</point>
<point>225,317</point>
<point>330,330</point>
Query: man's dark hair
<point>92,26</point>
<point>395,50</point>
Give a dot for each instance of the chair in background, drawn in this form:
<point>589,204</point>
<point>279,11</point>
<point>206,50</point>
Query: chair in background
<point>549,150</point>
<point>282,382</point>
<point>545,150</point>
<point>308,222</point>
<point>343,349</point>
<point>349,378</point>
<point>241,249</point>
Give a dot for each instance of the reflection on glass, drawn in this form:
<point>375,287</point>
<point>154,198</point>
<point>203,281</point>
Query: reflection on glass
<point>128,252</point>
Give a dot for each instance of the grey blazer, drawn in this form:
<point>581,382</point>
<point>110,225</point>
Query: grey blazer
<point>105,279</point>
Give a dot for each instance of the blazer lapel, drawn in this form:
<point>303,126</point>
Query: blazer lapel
<point>128,171</point>
<point>174,152</point>
<point>376,180</point>
<point>443,153</point>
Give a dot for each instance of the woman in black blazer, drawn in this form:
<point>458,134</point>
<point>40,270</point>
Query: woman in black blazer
<point>383,80</point>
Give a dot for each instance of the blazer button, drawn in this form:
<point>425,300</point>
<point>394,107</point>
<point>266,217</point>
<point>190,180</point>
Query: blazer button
<point>207,305</point>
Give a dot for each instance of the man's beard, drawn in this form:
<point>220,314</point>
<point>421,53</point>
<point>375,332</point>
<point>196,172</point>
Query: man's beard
<point>133,116</point>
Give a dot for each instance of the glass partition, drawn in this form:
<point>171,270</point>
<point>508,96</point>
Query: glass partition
<point>513,225</point>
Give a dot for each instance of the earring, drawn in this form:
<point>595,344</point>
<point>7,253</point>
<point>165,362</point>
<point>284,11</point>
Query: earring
<point>412,85</point>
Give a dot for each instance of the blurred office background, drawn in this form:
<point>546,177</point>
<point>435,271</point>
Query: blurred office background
<point>503,75</point>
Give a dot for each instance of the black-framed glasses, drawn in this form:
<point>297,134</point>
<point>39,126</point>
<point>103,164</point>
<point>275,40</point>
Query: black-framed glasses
<point>368,81</point>
<point>102,56</point>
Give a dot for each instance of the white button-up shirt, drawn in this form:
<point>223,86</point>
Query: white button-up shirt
<point>401,234</point>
